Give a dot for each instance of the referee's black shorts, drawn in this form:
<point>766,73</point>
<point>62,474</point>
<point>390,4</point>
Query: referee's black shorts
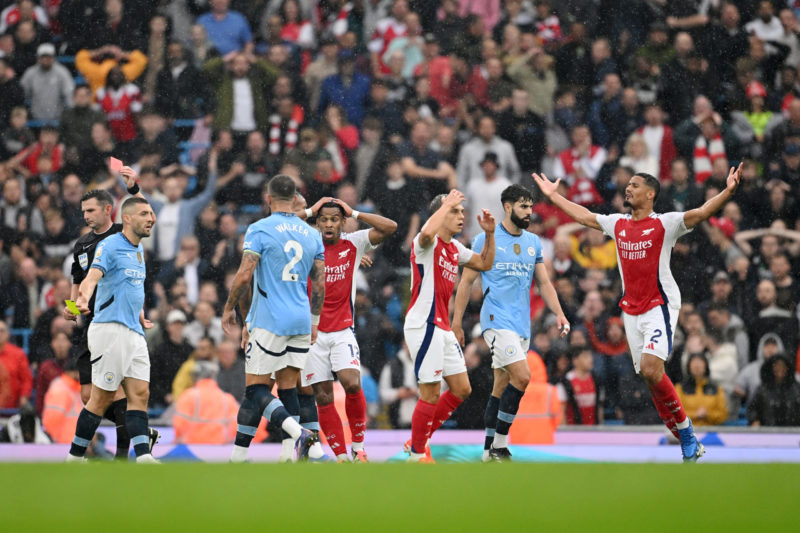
<point>80,346</point>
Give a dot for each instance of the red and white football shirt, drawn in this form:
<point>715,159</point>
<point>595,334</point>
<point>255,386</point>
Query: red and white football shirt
<point>585,398</point>
<point>341,262</point>
<point>644,248</point>
<point>433,276</point>
<point>386,31</point>
<point>119,106</point>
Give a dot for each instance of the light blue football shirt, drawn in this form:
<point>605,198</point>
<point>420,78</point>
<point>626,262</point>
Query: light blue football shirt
<point>506,287</point>
<point>120,292</point>
<point>287,248</point>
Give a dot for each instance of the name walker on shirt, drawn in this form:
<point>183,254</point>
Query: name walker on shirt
<point>296,228</point>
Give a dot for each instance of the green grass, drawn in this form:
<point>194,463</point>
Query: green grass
<point>398,497</point>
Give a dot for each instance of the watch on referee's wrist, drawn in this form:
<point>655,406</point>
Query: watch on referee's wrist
<point>134,189</point>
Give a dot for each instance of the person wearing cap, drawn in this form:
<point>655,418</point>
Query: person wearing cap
<point>652,299</point>
<point>204,413</point>
<point>168,357</point>
<point>348,89</point>
<point>720,233</point>
<point>483,192</point>
<point>48,85</point>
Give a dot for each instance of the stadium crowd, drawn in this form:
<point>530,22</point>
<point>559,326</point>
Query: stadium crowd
<point>384,104</point>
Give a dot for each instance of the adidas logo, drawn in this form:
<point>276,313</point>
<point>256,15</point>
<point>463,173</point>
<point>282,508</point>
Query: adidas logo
<point>355,362</point>
<point>650,346</point>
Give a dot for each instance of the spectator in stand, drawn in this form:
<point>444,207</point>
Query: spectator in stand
<point>62,404</point>
<point>579,392</point>
<point>167,359</point>
<point>386,30</point>
<point>76,120</point>
<point>52,367</point>
<point>771,320</point>
<point>227,30</point>
<point>154,134</point>
<point>658,137</point>
<point>703,401</point>
<point>181,89</point>
<point>777,400</point>
<point>730,328</point>
<point>767,26</point>
<point>241,83</point>
<point>786,284</point>
<point>28,35</point>
<point>749,377</point>
<point>253,168</point>
<point>637,156</point>
<point>348,89</point>
<point>205,324</point>
<point>20,378</point>
<point>430,175</point>
<point>11,92</point>
<point>471,155</point>
<point>48,85</point>
<point>306,156</point>
<point>525,130</point>
<point>201,49</point>
<point>23,295</point>
<point>398,389</point>
<point>187,265</point>
<point>326,64</point>
<point>96,64</point>
<point>580,165</point>
<point>205,351</point>
<point>231,369</point>
<point>483,192</point>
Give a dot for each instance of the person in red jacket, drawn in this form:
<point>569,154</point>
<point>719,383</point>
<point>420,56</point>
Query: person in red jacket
<point>53,367</point>
<point>20,378</point>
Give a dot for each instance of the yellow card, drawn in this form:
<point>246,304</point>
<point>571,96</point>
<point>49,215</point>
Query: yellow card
<point>72,307</point>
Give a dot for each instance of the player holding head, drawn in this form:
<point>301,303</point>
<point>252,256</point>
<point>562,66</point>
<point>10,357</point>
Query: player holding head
<point>282,252</point>
<point>651,298</point>
<point>505,314</point>
<point>96,206</point>
<point>435,258</point>
<point>116,334</point>
<point>336,349</point>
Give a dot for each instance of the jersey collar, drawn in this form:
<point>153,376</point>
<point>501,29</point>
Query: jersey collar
<point>509,233</point>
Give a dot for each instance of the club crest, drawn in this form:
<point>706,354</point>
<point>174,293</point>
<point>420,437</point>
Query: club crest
<point>517,249</point>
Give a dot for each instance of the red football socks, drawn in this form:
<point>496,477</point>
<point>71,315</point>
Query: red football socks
<point>331,425</point>
<point>421,425</point>
<point>355,405</point>
<point>444,408</point>
<point>668,404</point>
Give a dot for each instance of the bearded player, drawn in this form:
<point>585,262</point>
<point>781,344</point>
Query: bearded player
<point>336,351</point>
<point>651,298</point>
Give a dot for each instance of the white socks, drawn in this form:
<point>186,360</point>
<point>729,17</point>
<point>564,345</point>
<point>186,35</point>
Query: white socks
<point>239,454</point>
<point>500,441</point>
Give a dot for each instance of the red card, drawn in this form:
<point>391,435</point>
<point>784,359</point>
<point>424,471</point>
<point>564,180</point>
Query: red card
<point>114,164</point>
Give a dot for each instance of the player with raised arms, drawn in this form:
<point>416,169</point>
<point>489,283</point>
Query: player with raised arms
<point>281,252</point>
<point>506,313</point>
<point>651,298</point>
<point>336,350</point>
<point>435,258</point>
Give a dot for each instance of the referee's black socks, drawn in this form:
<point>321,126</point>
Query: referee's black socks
<point>116,414</point>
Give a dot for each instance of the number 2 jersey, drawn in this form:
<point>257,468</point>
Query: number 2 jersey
<point>287,248</point>
<point>644,248</point>
<point>341,263</point>
<point>433,276</point>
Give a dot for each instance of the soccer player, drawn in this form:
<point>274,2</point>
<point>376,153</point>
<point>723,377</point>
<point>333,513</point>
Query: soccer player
<point>116,334</point>
<point>282,252</point>
<point>506,313</point>
<point>96,206</point>
<point>435,258</point>
<point>651,298</point>
<point>336,349</point>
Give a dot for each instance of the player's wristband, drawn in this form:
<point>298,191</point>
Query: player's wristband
<point>315,320</point>
<point>309,212</point>
<point>134,189</point>
<point>355,214</point>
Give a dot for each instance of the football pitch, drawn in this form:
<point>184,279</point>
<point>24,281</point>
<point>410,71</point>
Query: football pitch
<point>398,497</point>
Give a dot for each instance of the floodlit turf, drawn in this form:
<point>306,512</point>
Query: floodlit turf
<point>398,497</point>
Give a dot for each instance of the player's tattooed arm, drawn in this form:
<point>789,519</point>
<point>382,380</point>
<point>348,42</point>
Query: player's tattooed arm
<point>241,284</point>
<point>317,276</point>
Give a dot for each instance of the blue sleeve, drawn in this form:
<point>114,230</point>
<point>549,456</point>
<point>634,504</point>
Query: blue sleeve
<point>104,256</point>
<point>537,244</point>
<point>320,247</point>
<point>254,241</point>
<point>196,205</point>
<point>477,243</point>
